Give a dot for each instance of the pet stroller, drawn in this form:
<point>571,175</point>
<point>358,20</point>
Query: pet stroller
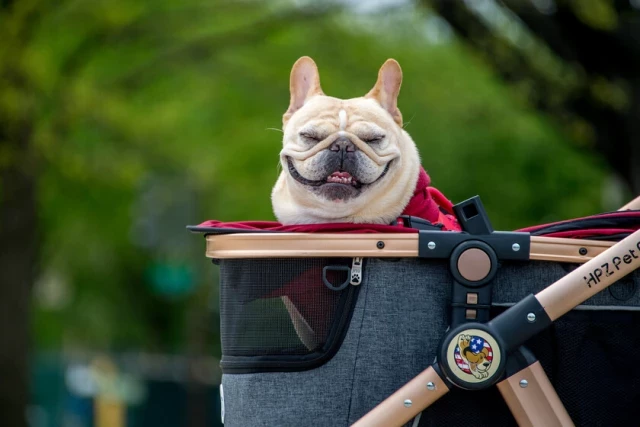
<point>336,325</point>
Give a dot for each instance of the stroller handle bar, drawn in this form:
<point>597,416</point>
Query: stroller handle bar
<point>591,277</point>
<point>632,205</point>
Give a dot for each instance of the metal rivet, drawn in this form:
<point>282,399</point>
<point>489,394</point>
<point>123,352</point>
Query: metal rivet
<point>380,244</point>
<point>407,403</point>
<point>515,247</point>
<point>431,245</point>
<point>531,317</point>
<point>582,251</point>
<point>524,383</point>
<point>431,386</point>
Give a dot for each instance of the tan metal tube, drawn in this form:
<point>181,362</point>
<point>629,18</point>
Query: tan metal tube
<point>403,405</point>
<point>559,249</point>
<point>592,277</point>
<point>296,245</point>
<point>632,205</point>
<point>300,245</point>
<point>532,399</point>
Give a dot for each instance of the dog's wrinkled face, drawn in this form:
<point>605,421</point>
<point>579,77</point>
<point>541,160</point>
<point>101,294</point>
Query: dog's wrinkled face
<point>344,160</point>
<point>337,156</point>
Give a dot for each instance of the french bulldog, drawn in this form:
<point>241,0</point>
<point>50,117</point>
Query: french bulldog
<point>344,160</point>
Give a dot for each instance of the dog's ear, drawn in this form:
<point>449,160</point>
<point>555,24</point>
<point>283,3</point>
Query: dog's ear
<point>387,88</point>
<point>304,83</point>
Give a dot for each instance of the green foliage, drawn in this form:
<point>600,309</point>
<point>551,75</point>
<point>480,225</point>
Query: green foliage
<point>189,94</point>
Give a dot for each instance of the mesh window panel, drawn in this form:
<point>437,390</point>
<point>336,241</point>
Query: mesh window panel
<point>280,310</point>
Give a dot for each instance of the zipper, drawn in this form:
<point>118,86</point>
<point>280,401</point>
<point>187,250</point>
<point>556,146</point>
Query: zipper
<point>356,271</point>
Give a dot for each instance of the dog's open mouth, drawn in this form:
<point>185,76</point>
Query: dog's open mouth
<point>337,177</point>
<point>342,178</point>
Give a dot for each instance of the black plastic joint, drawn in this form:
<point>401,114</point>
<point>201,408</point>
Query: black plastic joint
<point>472,216</point>
<point>520,359</point>
<point>418,223</point>
<point>519,323</point>
<point>454,265</point>
<point>508,245</point>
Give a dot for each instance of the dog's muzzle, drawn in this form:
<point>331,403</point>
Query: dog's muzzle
<point>346,148</point>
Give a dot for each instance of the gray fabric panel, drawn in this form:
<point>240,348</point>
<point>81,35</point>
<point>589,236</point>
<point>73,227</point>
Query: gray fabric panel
<point>404,320</point>
<point>399,319</point>
<point>319,397</point>
<point>515,281</point>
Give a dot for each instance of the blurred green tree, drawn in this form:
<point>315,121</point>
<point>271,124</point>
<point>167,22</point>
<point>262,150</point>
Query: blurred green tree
<point>122,121</point>
<point>575,61</point>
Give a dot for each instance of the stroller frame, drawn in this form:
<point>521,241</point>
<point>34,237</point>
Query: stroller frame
<point>519,377</point>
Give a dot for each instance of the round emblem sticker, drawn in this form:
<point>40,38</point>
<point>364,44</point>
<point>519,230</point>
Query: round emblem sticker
<point>473,356</point>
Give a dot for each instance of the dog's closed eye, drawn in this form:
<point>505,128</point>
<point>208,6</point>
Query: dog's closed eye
<point>311,137</point>
<point>372,138</point>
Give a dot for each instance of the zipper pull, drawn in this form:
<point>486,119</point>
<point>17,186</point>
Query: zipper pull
<point>356,271</point>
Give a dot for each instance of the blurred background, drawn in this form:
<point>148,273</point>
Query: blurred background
<point>123,121</point>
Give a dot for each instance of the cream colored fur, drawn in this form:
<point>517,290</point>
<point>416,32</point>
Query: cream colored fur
<point>310,111</point>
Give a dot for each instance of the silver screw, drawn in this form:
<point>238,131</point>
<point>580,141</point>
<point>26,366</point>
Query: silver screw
<point>524,383</point>
<point>531,317</point>
<point>431,386</point>
<point>431,245</point>
<point>515,247</point>
<point>407,403</point>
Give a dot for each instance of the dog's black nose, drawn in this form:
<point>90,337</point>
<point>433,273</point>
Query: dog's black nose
<point>486,364</point>
<point>343,144</point>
